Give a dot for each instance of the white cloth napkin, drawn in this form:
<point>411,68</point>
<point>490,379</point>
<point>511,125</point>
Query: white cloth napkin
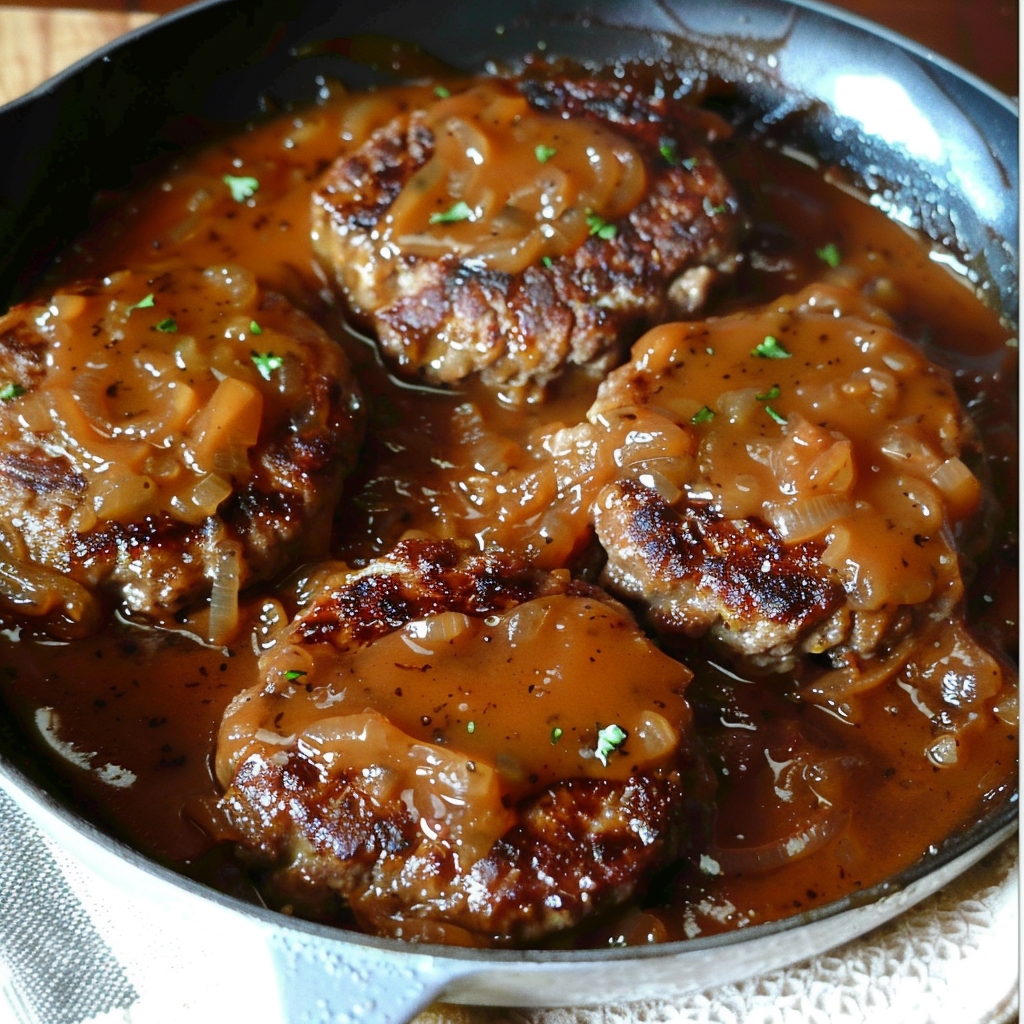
<point>74,947</point>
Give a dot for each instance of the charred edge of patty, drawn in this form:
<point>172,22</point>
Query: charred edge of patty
<point>696,543</point>
<point>425,577</point>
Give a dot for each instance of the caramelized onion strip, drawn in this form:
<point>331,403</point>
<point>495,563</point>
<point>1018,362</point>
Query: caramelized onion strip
<point>756,860</point>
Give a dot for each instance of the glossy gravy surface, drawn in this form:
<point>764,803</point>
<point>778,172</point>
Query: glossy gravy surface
<point>815,800</point>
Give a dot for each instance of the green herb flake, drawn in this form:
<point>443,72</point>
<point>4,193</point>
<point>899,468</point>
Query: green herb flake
<point>11,391</point>
<point>600,227</point>
<point>556,735</point>
<point>610,738</point>
<point>781,420</point>
<point>668,147</point>
<point>267,363</point>
<point>547,261</point>
<point>829,254</point>
<point>167,326</point>
<point>471,727</point>
<point>773,392</point>
<point>702,415</point>
<point>770,348</point>
<point>147,303</point>
<point>456,212</point>
<point>254,328</point>
<point>544,153</point>
<point>711,209</point>
<point>442,92</point>
<point>242,188</point>
<point>293,675</point>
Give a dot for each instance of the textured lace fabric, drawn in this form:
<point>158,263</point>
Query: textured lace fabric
<point>75,947</point>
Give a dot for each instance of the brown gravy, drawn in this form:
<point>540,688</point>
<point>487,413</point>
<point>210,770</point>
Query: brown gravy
<point>813,803</point>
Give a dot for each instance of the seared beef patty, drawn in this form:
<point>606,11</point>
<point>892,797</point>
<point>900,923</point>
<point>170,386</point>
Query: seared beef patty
<point>460,748</point>
<point>816,498</point>
<point>163,433</point>
<point>519,226</point>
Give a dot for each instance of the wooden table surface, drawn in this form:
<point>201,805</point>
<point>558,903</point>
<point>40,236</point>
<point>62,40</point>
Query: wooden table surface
<point>39,37</point>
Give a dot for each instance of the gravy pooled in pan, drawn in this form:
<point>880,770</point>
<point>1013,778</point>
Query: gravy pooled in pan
<point>580,643</point>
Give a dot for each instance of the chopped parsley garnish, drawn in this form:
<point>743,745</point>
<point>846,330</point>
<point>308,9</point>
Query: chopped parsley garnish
<point>10,391</point>
<point>242,188</point>
<point>167,326</point>
<point>442,92</point>
<point>547,261</point>
<point>610,738</point>
<point>669,149</point>
<point>772,392</point>
<point>254,328</point>
<point>781,420</point>
<point>830,254</point>
<point>600,227</point>
<point>710,209</point>
<point>770,348</point>
<point>544,153</point>
<point>703,415</point>
<point>294,675</point>
<point>148,302</point>
<point>556,735</point>
<point>267,363</point>
<point>456,212</point>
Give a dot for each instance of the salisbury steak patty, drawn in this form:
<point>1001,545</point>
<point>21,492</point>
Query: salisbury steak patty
<point>518,226</point>
<point>460,748</point>
<point>162,434</point>
<point>816,498</point>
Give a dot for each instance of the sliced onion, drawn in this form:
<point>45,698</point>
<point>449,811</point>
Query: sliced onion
<point>756,860</point>
<point>807,517</point>
<point>85,445</point>
<point>661,485</point>
<point>525,621</point>
<point>908,451</point>
<point>231,418</point>
<point>739,405</point>
<point>1007,709</point>
<point>654,738</point>
<point>36,590</point>
<point>943,752</point>
<point>959,486</point>
<point>654,437</point>
<point>236,283</point>
<point>121,497</point>
<point>851,680</point>
<point>201,500</point>
<point>437,628</point>
<point>226,570</point>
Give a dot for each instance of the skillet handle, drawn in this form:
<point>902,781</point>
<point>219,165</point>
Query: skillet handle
<point>327,981</point>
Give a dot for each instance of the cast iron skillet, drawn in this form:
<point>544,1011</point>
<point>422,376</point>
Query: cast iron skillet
<point>938,148</point>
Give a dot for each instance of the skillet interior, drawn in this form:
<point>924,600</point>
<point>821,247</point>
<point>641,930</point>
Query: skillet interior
<point>160,90</point>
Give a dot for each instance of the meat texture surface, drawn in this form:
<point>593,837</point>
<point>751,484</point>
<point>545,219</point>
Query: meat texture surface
<point>516,227</point>
<point>363,775</point>
<point>165,434</point>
